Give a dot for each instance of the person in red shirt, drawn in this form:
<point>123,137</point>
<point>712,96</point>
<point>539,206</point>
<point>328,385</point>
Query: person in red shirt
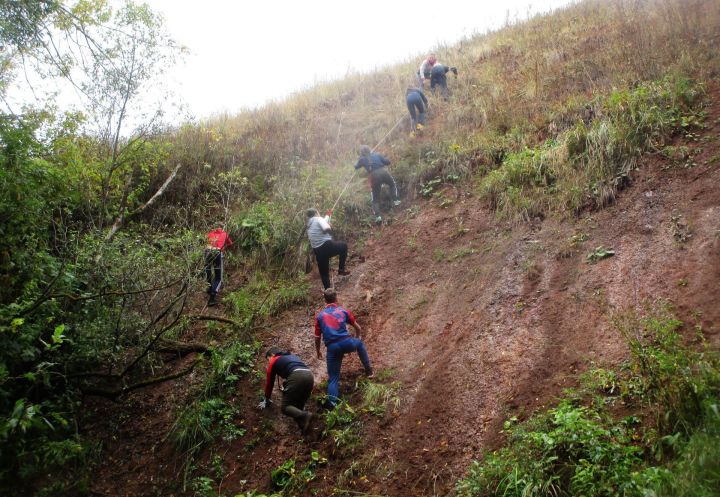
<point>217,241</point>
<point>296,388</point>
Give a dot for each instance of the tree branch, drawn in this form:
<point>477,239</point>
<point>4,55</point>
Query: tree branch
<point>114,394</point>
<point>206,317</point>
<point>121,216</point>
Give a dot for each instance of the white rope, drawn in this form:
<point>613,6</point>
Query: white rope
<point>355,171</point>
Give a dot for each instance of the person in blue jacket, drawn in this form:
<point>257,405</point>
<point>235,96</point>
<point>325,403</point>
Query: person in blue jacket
<point>378,175</point>
<point>438,78</point>
<point>416,104</point>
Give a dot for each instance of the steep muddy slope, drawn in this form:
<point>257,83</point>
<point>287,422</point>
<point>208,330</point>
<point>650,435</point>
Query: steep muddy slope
<point>475,320</point>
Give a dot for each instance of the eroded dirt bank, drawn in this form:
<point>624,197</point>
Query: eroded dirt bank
<point>476,320</point>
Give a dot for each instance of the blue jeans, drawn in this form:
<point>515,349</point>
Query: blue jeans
<point>415,103</point>
<point>335,353</point>
<point>439,79</point>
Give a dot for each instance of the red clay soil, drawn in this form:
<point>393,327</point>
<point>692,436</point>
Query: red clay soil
<point>476,321</point>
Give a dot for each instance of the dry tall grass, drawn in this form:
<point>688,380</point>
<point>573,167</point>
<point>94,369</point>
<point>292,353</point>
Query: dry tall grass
<point>516,87</point>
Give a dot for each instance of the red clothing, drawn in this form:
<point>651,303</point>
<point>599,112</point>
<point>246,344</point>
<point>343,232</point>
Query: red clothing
<point>283,366</point>
<point>219,239</point>
<point>330,323</point>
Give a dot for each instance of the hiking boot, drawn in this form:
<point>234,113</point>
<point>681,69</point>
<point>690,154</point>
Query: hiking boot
<point>306,423</point>
<point>396,202</point>
<point>211,301</point>
<point>343,272</point>
<point>370,374</point>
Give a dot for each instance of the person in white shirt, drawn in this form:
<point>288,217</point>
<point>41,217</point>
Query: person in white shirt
<point>425,69</point>
<point>324,247</point>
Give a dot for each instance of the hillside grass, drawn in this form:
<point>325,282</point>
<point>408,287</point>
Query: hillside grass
<point>548,117</point>
<point>650,428</point>
<point>550,114</point>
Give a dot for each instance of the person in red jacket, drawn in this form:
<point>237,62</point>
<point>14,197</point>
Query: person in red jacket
<point>217,241</point>
<point>296,388</point>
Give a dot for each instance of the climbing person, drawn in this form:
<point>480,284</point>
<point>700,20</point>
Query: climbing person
<point>425,70</point>
<point>324,247</point>
<point>374,164</point>
<point>416,104</point>
<point>438,78</point>
<point>217,241</point>
<point>331,325</point>
<point>296,388</point>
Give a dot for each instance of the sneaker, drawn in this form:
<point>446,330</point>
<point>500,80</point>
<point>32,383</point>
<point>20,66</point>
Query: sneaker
<point>419,126</point>
<point>396,203</point>
<point>378,219</point>
<point>412,134</point>
<point>211,301</point>
<point>343,272</point>
<point>370,374</point>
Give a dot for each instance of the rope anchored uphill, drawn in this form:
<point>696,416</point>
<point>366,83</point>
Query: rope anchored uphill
<point>352,176</point>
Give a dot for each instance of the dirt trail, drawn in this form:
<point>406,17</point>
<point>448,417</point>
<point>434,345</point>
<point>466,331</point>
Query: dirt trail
<point>479,322</point>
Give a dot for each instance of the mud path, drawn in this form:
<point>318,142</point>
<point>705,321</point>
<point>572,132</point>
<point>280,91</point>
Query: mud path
<point>477,321</point>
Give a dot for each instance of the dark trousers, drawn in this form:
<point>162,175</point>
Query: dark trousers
<point>416,108</point>
<point>213,264</point>
<point>335,353</point>
<point>296,391</point>
<point>439,80</point>
<point>378,178</point>
<point>324,252</point>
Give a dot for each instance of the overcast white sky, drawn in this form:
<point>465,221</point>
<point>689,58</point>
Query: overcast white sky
<point>244,53</point>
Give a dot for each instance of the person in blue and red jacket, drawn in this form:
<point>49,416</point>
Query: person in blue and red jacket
<point>296,388</point>
<point>217,241</point>
<point>331,325</point>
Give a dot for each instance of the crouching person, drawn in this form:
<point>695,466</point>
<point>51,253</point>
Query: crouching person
<point>296,388</point>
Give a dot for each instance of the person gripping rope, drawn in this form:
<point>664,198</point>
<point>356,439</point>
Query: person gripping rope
<point>375,164</point>
<point>417,105</point>
<point>324,247</point>
<point>217,241</point>
<point>424,72</point>
<point>331,326</point>
<point>296,388</point>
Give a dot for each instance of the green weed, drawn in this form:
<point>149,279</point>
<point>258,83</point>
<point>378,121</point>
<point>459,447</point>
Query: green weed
<point>598,254</point>
<point>578,448</point>
<point>377,397</point>
<point>292,480</point>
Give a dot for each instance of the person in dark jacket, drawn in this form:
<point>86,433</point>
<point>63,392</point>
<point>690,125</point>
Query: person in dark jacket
<point>324,247</point>
<point>296,388</point>
<point>375,164</point>
<point>331,326</point>
<point>416,104</point>
<point>438,79</point>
